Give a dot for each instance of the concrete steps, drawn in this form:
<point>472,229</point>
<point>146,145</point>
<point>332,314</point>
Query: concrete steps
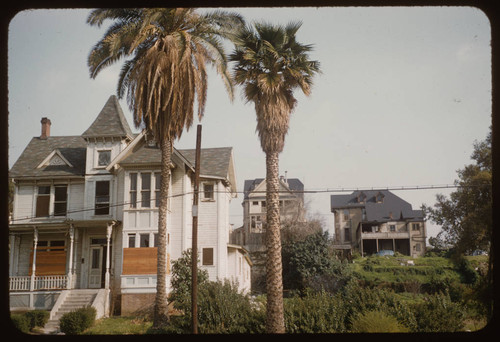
<point>75,299</point>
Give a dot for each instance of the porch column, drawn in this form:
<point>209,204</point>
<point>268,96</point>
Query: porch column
<point>33,266</point>
<point>109,230</point>
<point>70,262</point>
<point>12,242</point>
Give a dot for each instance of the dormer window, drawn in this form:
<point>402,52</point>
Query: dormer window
<point>361,197</point>
<point>103,158</point>
<point>379,198</point>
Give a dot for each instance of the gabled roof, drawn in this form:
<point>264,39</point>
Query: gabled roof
<point>71,148</point>
<point>110,122</point>
<point>293,184</point>
<point>215,162</point>
<point>381,211</point>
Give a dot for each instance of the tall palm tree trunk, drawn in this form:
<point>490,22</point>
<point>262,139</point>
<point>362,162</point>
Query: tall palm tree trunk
<point>274,274</point>
<point>161,305</point>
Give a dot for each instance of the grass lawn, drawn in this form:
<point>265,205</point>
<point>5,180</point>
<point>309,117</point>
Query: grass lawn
<point>119,326</point>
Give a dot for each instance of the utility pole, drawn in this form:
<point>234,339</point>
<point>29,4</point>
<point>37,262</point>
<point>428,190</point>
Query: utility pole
<point>194,248</point>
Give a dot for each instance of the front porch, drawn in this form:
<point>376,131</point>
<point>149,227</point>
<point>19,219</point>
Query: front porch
<point>47,259</point>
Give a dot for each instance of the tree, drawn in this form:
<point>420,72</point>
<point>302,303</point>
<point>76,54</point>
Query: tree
<point>466,217</point>
<point>165,76</point>
<point>270,65</point>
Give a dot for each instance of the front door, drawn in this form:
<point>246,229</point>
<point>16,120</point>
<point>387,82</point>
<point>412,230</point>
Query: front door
<point>95,267</point>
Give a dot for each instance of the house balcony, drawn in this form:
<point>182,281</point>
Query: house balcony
<point>385,235</point>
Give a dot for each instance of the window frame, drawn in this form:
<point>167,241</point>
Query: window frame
<point>98,161</point>
<point>102,205</point>
<point>45,203</point>
<point>59,201</point>
<point>211,193</point>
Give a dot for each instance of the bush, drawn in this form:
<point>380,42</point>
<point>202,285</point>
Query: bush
<point>438,314</point>
<point>316,312</point>
<point>37,318</point>
<point>21,322</point>
<point>222,309</point>
<point>75,322</point>
<point>376,321</point>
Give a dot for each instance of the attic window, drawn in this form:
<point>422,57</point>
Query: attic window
<point>361,197</point>
<point>379,198</point>
<point>103,158</point>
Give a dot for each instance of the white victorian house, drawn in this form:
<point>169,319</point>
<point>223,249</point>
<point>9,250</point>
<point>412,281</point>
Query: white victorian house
<point>85,217</point>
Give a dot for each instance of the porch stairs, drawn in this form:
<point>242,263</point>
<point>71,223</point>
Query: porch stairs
<point>71,300</point>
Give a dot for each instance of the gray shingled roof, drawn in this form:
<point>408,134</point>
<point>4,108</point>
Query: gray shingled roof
<point>214,161</point>
<point>73,148</point>
<point>379,212</point>
<point>294,184</point>
<point>110,122</point>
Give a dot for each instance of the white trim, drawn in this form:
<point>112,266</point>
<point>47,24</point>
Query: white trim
<point>46,161</point>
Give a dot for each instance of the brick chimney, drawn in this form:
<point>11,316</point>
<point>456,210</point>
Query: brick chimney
<point>45,128</point>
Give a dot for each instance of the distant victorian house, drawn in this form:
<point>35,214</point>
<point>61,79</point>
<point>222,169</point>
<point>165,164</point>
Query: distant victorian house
<point>252,234</point>
<point>370,221</point>
<point>85,216</point>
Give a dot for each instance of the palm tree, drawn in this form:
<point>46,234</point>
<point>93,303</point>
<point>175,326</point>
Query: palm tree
<point>166,74</point>
<point>270,65</point>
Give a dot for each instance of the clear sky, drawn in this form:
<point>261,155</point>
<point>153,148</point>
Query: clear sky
<point>403,95</point>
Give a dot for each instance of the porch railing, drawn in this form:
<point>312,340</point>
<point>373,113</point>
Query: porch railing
<point>50,282</point>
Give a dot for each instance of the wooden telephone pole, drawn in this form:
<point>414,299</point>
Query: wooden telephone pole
<point>194,248</point>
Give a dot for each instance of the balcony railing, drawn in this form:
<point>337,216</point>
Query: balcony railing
<point>28,283</point>
<point>385,235</point>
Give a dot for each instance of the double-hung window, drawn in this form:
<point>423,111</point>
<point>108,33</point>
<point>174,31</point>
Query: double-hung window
<point>133,190</point>
<point>101,198</point>
<point>157,189</point>
<point>60,200</point>
<point>46,194</point>
<point>43,201</point>
<point>146,190</point>
<point>208,191</point>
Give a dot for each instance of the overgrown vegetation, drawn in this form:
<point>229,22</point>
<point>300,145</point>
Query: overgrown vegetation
<point>371,299</point>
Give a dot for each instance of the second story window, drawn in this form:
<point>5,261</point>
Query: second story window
<point>133,190</point>
<point>208,191</point>
<point>43,201</point>
<point>60,200</point>
<point>46,194</point>
<point>101,198</point>
<point>145,190</point>
<point>157,189</point>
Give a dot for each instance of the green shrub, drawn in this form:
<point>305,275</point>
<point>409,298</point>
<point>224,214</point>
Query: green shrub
<point>438,314</point>
<point>75,322</point>
<point>376,322</point>
<point>316,312</point>
<point>37,318</point>
<point>21,322</point>
<point>467,272</point>
<point>222,309</point>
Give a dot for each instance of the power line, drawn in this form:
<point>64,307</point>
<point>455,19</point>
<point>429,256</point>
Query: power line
<point>312,191</point>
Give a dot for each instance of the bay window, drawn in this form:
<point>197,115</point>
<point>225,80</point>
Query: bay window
<point>148,184</point>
